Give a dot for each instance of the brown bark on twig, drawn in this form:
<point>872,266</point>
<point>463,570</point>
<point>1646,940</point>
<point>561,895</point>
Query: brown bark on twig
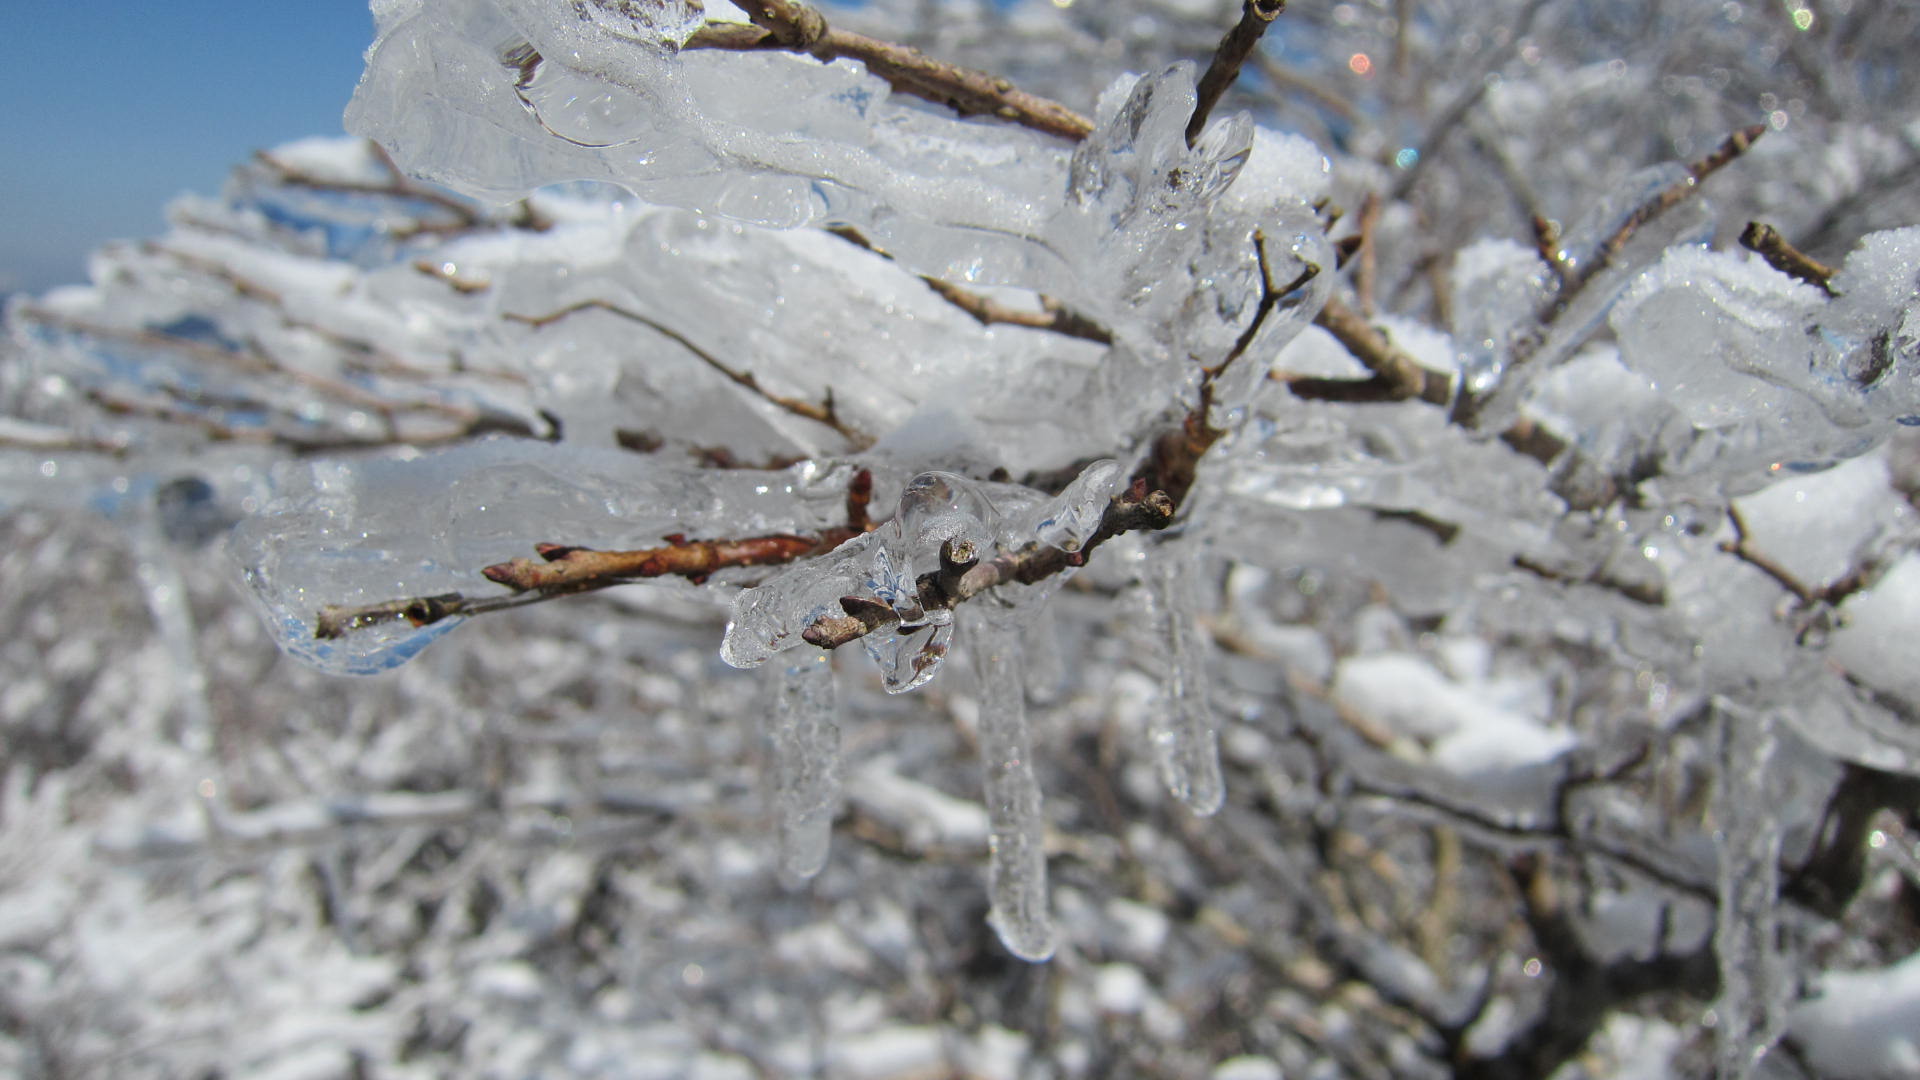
<point>1255,17</point>
<point>952,585</point>
<point>1151,501</point>
<point>796,27</point>
<point>1576,277</point>
<point>1765,240</point>
<point>1397,376</point>
<point>1054,316</point>
<point>566,569</point>
<point>820,412</point>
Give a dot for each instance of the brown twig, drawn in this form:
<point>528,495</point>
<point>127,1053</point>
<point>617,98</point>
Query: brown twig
<point>1831,594</point>
<point>1578,275</point>
<point>957,583</point>
<point>820,412</point>
<point>567,569</point>
<point>1255,17</point>
<point>1054,316</point>
<point>1765,240</point>
<point>464,215</point>
<point>796,27</point>
<point>1397,376</point>
<point>1729,150</point>
<point>1365,271</point>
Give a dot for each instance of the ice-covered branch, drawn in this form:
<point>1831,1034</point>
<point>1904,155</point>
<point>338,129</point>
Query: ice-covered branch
<point>798,27</point>
<point>565,569</point>
<point>821,412</point>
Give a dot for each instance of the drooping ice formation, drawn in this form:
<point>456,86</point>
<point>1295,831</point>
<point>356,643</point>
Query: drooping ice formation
<point>1751,1008</point>
<point>1182,730</point>
<point>806,763</point>
<point>1017,857</point>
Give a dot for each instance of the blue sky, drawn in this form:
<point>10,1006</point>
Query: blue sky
<point>112,107</point>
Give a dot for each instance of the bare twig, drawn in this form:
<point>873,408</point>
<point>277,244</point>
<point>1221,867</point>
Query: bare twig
<point>955,583</point>
<point>1397,376</point>
<point>820,412</point>
<point>1576,276</point>
<point>1766,241</point>
<point>796,27</point>
<point>1255,17</point>
<point>1729,150</point>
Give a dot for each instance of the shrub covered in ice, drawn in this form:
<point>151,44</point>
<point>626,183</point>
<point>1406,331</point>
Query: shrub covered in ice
<point>1498,592</point>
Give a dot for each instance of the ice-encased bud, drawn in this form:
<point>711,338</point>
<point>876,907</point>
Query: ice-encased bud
<point>936,509</point>
<point>770,617</point>
<point>908,656</point>
<point>1073,516</point>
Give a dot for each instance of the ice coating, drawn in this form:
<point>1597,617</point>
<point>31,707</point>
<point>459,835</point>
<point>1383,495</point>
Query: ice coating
<point>1071,517</point>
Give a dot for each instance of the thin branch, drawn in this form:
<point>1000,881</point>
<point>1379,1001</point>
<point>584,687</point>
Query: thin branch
<point>1054,316</point>
<point>821,412</point>
<point>1397,376</point>
<point>1367,269</point>
<point>1577,276</point>
<point>565,569</point>
<point>796,27</point>
<point>1730,149</point>
<point>1765,240</point>
<point>957,582</point>
<point>1240,42</point>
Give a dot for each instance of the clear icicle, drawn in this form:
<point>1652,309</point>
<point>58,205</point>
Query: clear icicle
<point>1750,1008</point>
<point>1184,743</point>
<point>806,764</point>
<point>1017,869</point>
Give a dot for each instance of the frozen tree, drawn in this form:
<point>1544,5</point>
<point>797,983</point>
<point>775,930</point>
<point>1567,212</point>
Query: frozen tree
<point>1369,539</point>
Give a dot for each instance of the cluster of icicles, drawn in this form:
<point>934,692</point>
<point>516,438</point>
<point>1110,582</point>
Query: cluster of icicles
<point>972,521</point>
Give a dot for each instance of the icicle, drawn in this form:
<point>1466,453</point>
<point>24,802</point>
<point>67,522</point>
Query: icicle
<point>1017,870</point>
<point>806,763</point>
<point>1745,935</point>
<point>1183,726</point>
<point>936,508</point>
